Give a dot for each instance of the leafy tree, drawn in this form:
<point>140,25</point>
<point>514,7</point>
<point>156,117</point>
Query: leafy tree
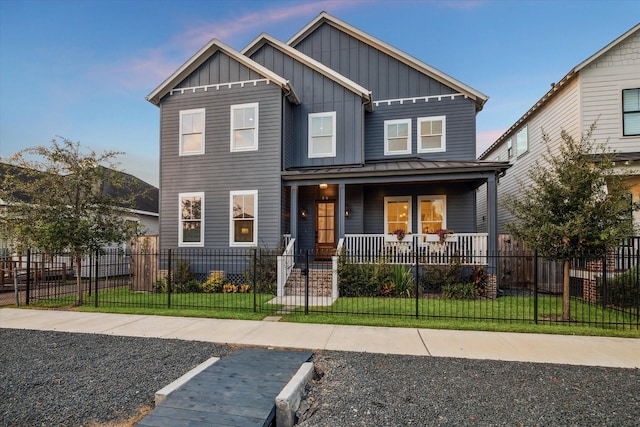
<point>578,205</point>
<point>60,198</point>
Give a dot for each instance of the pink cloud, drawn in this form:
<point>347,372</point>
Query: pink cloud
<point>153,66</point>
<point>484,139</point>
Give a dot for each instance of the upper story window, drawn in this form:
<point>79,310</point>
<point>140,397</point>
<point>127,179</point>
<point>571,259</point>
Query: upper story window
<point>431,134</point>
<point>191,231</point>
<point>397,214</point>
<point>397,137</point>
<point>244,127</point>
<point>432,213</point>
<point>322,134</point>
<point>522,142</point>
<point>244,218</point>
<point>631,112</point>
<point>509,148</point>
<point>192,131</point>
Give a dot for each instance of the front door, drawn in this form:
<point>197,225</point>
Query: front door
<point>325,229</point>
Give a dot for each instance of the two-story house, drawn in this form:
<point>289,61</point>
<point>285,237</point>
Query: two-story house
<point>603,89</point>
<point>334,137</point>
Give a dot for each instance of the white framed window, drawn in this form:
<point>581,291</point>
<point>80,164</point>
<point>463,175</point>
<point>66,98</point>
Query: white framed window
<point>243,212</point>
<point>631,112</point>
<point>397,137</point>
<point>397,214</point>
<point>432,134</point>
<point>522,142</point>
<point>192,132</point>
<point>191,216</point>
<point>322,134</point>
<point>432,213</point>
<point>244,127</point>
<point>509,148</point>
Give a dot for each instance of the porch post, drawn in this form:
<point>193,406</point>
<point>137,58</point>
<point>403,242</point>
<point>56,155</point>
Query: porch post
<point>492,223</point>
<point>293,211</point>
<point>341,209</point>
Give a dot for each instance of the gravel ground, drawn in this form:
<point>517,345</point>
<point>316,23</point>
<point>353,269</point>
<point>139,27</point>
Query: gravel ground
<point>63,379</point>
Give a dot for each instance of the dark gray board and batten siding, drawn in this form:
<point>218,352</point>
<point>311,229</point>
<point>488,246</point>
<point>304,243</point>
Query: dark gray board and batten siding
<point>317,94</point>
<point>385,76</point>
<point>219,171</point>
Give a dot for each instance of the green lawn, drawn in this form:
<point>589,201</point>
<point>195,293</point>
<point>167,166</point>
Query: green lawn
<point>507,313</point>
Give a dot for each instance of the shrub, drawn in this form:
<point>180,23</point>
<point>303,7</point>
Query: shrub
<point>623,290</point>
<point>387,289</point>
<point>402,279</point>
<point>160,286</point>
<point>435,277</point>
<point>362,280</point>
<point>214,284</point>
<point>229,288</point>
<point>266,269</point>
<point>460,291</point>
<point>182,273</point>
<point>191,286</point>
<point>244,288</point>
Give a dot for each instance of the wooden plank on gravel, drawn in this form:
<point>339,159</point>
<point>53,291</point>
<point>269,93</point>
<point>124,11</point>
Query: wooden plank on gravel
<point>237,391</point>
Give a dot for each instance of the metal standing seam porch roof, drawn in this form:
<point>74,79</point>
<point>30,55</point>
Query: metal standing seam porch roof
<point>399,171</point>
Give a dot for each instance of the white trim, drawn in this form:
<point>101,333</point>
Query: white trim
<point>409,200</point>
<point>256,108</point>
<point>429,198</point>
<point>443,135</point>
<point>407,150</point>
<point>181,151</point>
<point>310,153</point>
<point>415,99</point>
<point>205,53</point>
<point>205,88</point>
<point>254,242</point>
<point>182,196</point>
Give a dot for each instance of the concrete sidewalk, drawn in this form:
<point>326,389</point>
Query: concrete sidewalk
<point>563,349</point>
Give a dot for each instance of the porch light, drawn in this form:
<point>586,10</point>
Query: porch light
<point>347,212</point>
<point>303,213</point>
<point>323,186</point>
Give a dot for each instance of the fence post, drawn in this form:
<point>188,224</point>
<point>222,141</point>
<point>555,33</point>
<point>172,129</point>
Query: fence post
<point>28,294</point>
<point>169,279</point>
<point>96,278</point>
<point>255,277</point>
<point>604,282</point>
<point>417,276</point>
<point>306,282</point>
<point>535,286</point>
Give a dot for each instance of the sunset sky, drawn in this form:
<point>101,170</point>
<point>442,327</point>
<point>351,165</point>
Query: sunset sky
<point>81,69</point>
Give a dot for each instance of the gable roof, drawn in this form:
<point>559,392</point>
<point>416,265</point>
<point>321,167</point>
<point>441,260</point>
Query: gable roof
<point>479,98</point>
<point>264,38</point>
<point>555,88</point>
<point>205,53</point>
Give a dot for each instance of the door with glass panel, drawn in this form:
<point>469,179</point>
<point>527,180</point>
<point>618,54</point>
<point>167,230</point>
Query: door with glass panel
<point>325,229</point>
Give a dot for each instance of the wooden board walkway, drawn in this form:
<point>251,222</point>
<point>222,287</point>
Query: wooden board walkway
<point>239,390</point>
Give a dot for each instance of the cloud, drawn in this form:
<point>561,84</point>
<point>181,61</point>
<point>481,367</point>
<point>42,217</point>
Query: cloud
<point>152,66</point>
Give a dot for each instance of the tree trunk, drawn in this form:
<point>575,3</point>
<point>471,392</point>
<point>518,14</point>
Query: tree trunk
<point>566,315</point>
<point>79,278</point>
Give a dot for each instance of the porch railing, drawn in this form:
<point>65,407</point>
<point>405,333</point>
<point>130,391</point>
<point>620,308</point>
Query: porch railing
<point>469,248</point>
<point>285,263</point>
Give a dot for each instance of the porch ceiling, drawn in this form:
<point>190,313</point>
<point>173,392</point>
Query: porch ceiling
<point>401,171</point>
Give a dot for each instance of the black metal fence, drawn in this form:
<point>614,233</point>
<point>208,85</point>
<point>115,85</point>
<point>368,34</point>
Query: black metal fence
<point>505,287</point>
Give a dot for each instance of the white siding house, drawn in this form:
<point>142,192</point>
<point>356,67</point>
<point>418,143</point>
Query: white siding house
<point>605,89</point>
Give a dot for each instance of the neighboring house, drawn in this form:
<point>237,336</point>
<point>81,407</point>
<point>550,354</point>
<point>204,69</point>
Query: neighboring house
<point>144,211</point>
<point>605,88</point>
<point>334,137</point>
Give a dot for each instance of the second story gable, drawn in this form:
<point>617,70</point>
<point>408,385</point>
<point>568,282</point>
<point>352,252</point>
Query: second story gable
<point>418,111</point>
